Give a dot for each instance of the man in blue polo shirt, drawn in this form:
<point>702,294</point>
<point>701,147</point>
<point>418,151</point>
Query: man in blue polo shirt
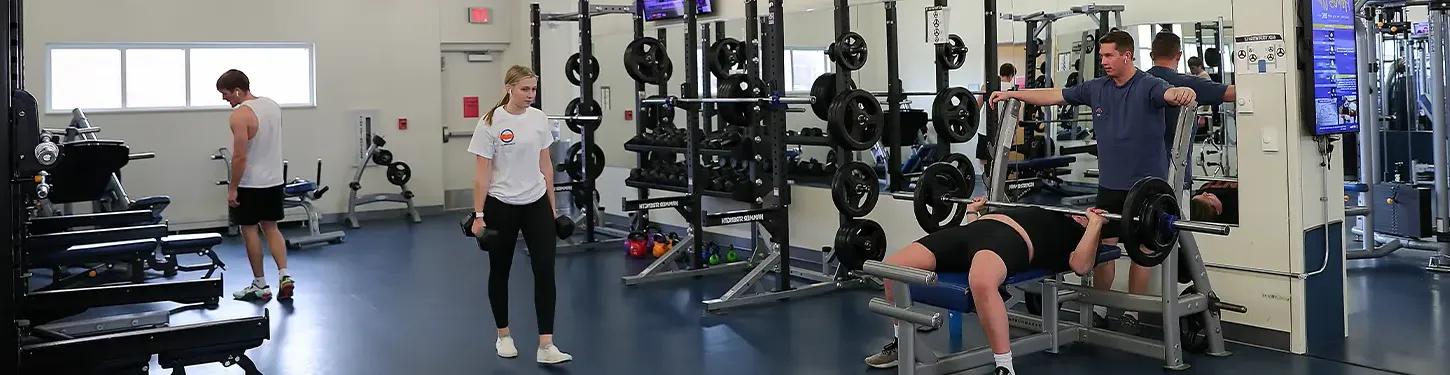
<point>1167,52</point>
<point>1128,108</point>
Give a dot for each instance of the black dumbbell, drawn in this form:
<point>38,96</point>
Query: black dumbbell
<point>816,168</point>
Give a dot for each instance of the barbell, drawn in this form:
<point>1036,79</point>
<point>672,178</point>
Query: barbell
<point>1150,220</point>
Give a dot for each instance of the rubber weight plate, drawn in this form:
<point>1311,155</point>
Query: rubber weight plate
<point>855,189</point>
<point>578,107</point>
<point>825,88</point>
<point>855,120</point>
<point>646,61</point>
<point>655,115</point>
<point>399,173</point>
<point>723,56</point>
<point>382,157</point>
<point>1146,234</point>
<point>573,66</point>
<point>858,241</point>
<point>738,86</point>
<point>955,115</point>
<point>953,54</point>
<point>849,50</point>
<point>964,165</point>
<point>593,161</point>
<point>937,181</point>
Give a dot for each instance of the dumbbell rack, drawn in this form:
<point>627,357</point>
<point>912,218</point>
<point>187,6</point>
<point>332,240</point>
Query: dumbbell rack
<point>584,189</point>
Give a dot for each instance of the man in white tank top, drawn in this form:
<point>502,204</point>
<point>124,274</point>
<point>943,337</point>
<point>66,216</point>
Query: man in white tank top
<point>254,192</point>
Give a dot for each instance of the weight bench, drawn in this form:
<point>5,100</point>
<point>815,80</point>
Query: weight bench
<point>199,244</point>
<point>106,254</point>
<point>951,292</point>
<point>301,193</point>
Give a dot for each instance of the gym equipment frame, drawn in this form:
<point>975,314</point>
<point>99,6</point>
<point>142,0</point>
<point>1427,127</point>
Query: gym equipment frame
<point>354,199</point>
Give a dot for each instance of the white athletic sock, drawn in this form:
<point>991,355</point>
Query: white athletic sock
<point>1004,360</point>
<point>1101,310</point>
<point>284,273</point>
<point>1133,314</point>
<point>259,282</point>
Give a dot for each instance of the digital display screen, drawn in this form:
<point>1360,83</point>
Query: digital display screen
<point>1336,87</point>
<point>667,9</point>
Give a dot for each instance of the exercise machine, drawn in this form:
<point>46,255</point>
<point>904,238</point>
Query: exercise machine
<point>296,193</point>
<point>115,198</point>
<point>398,174</point>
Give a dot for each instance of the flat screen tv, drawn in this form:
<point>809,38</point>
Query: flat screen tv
<point>671,9</point>
<point>1331,83</point>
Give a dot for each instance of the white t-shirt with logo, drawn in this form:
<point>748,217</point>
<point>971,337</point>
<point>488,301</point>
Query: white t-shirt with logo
<point>513,143</point>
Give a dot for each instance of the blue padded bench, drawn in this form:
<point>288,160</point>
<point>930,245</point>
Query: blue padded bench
<point>297,189</point>
<point>952,293</point>
<point>1354,187</point>
<point>199,244</point>
<point>120,251</point>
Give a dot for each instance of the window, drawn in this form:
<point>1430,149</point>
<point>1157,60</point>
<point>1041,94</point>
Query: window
<point>168,76</point>
<point>803,65</point>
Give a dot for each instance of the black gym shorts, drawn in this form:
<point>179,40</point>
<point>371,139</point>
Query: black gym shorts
<point>954,247</point>
<point>256,205</point>
<point>1112,201</point>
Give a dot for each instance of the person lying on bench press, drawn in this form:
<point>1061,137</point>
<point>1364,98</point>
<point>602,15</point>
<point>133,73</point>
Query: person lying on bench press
<point>1216,201</point>
<point>993,245</point>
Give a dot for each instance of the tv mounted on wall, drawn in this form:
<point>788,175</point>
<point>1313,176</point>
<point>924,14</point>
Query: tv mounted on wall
<point>1331,84</point>
<point>671,9</point>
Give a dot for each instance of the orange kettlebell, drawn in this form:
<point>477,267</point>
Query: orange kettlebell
<point>662,245</point>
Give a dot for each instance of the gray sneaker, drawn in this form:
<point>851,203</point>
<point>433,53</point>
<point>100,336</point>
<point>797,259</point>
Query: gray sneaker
<point>885,359</point>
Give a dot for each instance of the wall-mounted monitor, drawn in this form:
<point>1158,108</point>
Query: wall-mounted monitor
<point>1331,85</point>
<point>672,9</point>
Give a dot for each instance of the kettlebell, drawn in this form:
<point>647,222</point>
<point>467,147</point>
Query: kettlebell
<point>636,244</point>
<point>710,250</point>
<point>732,256</point>
<point>665,244</point>
<point>661,244</point>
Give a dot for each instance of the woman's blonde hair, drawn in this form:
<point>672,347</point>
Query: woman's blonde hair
<point>516,74</point>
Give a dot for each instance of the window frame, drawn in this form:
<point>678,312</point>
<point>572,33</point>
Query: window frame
<point>186,47</point>
<point>790,62</point>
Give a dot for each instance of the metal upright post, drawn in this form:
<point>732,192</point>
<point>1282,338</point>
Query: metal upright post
<point>706,89</point>
<point>1438,37</point>
<point>1367,56</point>
<point>13,212</point>
<point>775,124</point>
<point>989,56</point>
<point>534,55</point>
<point>692,155</point>
<point>663,36</point>
<point>640,127</point>
<point>894,179</point>
<point>1103,29</point>
<point>586,95</point>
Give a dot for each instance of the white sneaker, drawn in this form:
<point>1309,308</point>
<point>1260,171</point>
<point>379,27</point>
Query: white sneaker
<point>550,355</point>
<point>505,347</point>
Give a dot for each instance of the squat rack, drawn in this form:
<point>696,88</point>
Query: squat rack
<point>9,193</point>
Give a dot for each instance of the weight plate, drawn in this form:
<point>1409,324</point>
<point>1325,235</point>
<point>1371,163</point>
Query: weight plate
<point>1145,221</point>
<point>1073,79</point>
<point>825,88</point>
<point>571,69</point>
<point>1192,328</point>
<point>953,54</point>
<point>855,189</point>
<point>849,50</point>
<point>937,181</point>
<point>382,157</point>
<point>855,120</point>
<point>963,165</point>
<point>595,161</point>
<point>646,61</point>
<point>955,115</point>
<point>723,56</point>
<point>738,86</point>
<point>655,115</point>
<point>581,201</point>
<point>858,241</point>
<point>577,107</point>
<point>399,173</point>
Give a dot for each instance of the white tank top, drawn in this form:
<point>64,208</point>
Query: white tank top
<point>264,150</point>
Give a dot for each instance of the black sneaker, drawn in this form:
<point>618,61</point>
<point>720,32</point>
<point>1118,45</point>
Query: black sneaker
<point>885,359</point>
<point>1002,371</point>
<point>1128,324</point>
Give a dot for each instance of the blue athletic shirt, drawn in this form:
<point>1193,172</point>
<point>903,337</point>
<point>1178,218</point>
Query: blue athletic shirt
<point>1207,91</point>
<point>1128,121</point>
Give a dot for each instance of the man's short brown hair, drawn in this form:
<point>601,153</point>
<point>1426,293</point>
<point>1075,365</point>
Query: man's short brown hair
<point>1119,38</point>
<point>1007,70</point>
<point>1166,45</point>
<point>233,80</point>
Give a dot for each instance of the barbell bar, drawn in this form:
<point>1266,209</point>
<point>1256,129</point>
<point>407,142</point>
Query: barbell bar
<point>1191,226</point>
<point>575,118</point>
<point>781,100</point>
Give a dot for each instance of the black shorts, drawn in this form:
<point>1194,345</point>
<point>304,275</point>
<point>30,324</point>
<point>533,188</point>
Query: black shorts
<point>256,205</point>
<point>1112,201</point>
<point>954,247</point>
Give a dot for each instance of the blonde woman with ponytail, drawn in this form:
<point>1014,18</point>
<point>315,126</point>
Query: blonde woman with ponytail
<point>514,192</point>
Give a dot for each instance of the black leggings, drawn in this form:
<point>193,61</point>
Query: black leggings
<point>536,221</point>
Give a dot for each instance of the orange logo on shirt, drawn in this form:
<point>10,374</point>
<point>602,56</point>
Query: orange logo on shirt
<point>507,136</point>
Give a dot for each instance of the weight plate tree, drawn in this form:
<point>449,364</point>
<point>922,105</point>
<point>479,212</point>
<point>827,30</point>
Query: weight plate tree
<point>854,122</point>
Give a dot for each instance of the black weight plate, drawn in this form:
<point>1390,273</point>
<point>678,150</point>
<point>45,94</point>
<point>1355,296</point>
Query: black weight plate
<point>858,241</point>
<point>1142,221</point>
<point>655,115</point>
<point>1192,328</point>
<point>382,157</point>
<point>823,89</point>
<point>855,189</point>
<point>723,56</point>
<point>595,160</point>
<point>849,50</point>
<point>955,115</point>
<point>953,54</point>
<point>856,120</point>
<point>1073,79</point>
<point>1212,58</point>
<point>577,107</point>
<point>571,69</point>
<point>738,86</point>
<point>963,165</point>
<point>646,61</point>
<point>937,181</point>
<point>399,173</point>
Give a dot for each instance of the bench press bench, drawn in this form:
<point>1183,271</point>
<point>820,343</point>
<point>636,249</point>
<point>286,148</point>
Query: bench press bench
<point>139,254</point>
<point>951,292</point>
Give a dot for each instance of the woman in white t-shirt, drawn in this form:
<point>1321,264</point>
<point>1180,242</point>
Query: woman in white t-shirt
<point>514,192</point>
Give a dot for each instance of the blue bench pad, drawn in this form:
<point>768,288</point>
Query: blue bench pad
<point>190,241</point>
<point>298,188</point>
<point>97,252</point>
<point>1043,163</point>
<point>1350,187</point>
<point>952,292</point>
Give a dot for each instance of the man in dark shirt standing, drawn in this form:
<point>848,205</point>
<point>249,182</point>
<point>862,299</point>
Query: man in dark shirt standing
<point>1167,52</point>
<point>1128,109</point>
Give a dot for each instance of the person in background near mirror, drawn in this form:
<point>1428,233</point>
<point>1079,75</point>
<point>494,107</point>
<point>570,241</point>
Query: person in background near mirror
<point>1195,67</point>
<point>1005,73</point>
<point>254,185</point>
<point>1167,52</point>
<point>1215,201</point>
<point>1128,110</point>
<point>514,190</point>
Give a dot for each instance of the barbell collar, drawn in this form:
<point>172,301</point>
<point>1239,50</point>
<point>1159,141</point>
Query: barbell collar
<point>579,118</point>
<point>1184,225</point>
